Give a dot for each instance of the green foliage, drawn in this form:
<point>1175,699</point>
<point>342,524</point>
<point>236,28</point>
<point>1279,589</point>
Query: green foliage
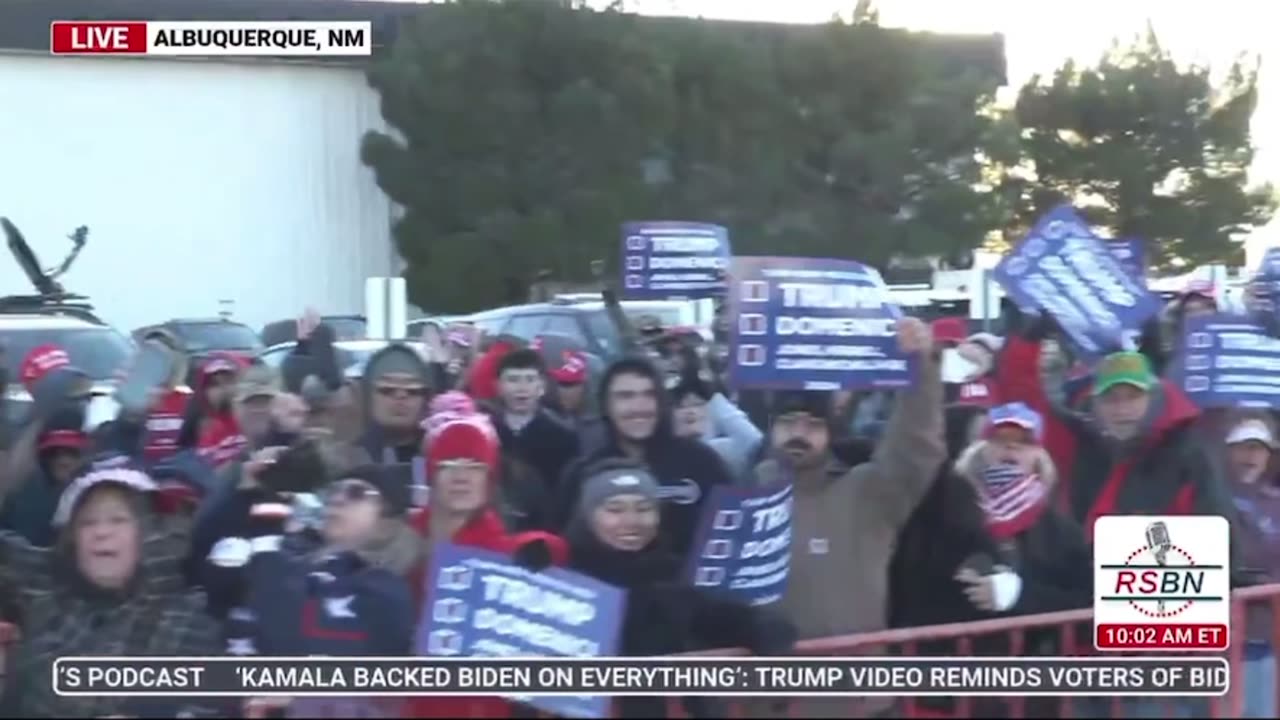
<point>1149,149</point>
<point>529,129</point>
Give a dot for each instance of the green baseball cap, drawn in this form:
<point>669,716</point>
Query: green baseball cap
<point>1123,368</point>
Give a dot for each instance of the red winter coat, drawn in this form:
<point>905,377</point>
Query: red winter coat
<point>220,441</point>
<point>482,382</point>
<point>164,425</point>
<point>487,532</point>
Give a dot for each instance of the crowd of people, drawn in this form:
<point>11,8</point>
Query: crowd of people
<point>294,512</point>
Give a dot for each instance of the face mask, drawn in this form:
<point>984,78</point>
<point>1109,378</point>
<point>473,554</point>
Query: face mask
<point>957,369</point>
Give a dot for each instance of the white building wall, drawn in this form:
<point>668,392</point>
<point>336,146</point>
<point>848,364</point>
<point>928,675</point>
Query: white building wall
<point>199,181</point>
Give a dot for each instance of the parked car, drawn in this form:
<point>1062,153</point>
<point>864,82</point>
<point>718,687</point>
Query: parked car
<point>199,337</point>
<point>414,328</point>
<point>202,336</point>
<point>589,326</point>
<point>352,354</point>
<point>668,313</point>
<point>99,350</point>
<point>587,321</point>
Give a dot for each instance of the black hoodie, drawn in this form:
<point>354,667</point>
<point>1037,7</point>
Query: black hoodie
<point>546,444</point>
<point>375,440</point>
<point>665,616</point>
<point>686,468</point>
<point>946,529</point>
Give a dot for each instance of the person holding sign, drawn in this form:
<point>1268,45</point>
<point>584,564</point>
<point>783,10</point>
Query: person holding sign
<point>463,462</point>
<point>614,537</point>
<point>845,521</point>
<point>703,412</point>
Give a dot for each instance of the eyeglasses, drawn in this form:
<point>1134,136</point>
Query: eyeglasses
<point>351,490</point>
<point>397,391</point>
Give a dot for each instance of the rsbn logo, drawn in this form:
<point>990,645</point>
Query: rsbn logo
<point>1161,583</point>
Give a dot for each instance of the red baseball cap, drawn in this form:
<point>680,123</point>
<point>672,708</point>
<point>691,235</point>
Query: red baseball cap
<point>572,370</point>
<point>68,439</point>
<point>40,362</point>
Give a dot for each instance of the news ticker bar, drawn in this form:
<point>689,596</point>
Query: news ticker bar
<point>531,677</point>
<point>209,38</point>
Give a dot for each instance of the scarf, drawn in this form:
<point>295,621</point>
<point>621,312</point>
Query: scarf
<point>1011,499</point>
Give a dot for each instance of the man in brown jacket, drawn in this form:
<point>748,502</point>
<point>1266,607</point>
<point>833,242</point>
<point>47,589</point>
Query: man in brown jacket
<point>845,521</point>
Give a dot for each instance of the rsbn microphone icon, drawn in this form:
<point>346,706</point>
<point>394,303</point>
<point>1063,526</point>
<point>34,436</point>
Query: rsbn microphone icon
<point>1159,541</point>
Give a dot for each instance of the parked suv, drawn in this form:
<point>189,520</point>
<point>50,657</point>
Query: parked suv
<point>99,350</point>
<point>201,337</point>
<point>590,326</point>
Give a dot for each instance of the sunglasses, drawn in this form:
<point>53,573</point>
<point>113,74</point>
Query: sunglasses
<point>399,391</point>
<point>352,491</point>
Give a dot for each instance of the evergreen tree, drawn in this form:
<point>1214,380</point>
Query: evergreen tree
<point>1148,149</point>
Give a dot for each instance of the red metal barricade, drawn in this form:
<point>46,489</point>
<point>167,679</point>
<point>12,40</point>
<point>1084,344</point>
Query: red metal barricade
<point>1063,633</point>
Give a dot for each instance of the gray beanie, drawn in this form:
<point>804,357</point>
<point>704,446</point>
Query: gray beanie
<point>614,479</point>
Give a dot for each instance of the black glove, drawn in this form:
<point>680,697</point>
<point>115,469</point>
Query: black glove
<point>326,357</point>
<point>314,356</point>
<point>534,555</point>
<point>299,469</point>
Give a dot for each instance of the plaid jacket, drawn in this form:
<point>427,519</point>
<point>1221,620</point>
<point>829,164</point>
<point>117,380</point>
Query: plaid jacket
<point>57,618</point>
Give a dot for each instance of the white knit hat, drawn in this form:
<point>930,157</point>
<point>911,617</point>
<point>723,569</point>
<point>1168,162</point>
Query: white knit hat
<point>126,476</point>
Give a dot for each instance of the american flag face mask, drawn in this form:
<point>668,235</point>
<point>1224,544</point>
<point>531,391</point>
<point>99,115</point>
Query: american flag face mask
<point>1011,499</point>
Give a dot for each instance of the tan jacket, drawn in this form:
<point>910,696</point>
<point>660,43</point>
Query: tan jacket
<point>846,521</point>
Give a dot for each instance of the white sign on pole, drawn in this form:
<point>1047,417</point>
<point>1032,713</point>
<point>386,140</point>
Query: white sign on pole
<point>386,307</point>
<point>397,308</point>
<point>375,307</point>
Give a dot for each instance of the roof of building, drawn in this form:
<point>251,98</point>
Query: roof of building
<point>24,24</point>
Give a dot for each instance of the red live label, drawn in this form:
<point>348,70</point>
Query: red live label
<point>1157,636</point>
<point>84,38</point>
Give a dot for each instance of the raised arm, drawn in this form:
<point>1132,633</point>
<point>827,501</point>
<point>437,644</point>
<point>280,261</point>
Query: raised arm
<point>912,448</point>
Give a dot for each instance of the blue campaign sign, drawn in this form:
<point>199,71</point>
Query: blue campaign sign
<point>668,259</point>
<point>744,543</point>
<point>481,605</point>
<point>1132,256</point>
<point>1063,268</point>
<point>1262,298</point>
<point>813,324</point>
<point>1228,361</point>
